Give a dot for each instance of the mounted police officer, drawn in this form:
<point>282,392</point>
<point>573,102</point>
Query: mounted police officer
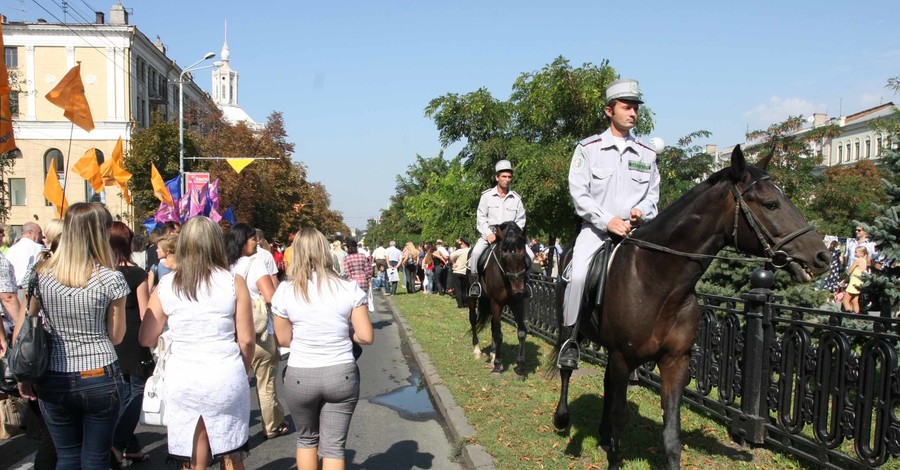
<point>614,183</point>
<point>497,205</point>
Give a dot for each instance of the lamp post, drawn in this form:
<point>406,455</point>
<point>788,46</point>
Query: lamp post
<point>209,55</point>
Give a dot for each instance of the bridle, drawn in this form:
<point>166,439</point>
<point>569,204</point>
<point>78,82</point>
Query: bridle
<point>774,254</point>
<point>509,276</point>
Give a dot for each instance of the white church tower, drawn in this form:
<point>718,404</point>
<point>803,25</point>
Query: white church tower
<point>225,90</point>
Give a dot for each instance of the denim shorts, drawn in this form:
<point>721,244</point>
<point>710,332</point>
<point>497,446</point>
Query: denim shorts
<point>81,410</point>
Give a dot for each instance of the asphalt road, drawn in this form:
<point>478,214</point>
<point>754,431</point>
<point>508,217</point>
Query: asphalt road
<point>395,425</point>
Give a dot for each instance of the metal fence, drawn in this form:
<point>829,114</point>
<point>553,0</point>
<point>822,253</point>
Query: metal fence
<point>821,385</point>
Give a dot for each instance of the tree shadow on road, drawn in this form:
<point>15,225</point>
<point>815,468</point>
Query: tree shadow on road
<point>403,455</point>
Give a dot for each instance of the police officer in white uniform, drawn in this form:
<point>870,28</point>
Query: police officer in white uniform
<point>497,205</point>
<point>614,183</point>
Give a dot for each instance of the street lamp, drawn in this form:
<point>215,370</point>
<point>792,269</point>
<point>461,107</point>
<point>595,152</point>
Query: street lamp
<point>209,55</point>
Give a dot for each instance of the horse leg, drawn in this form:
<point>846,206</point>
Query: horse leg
<point>561,415</point>
<point>675,377</point>
<point>521,332</point>
<point>473,322</point>
<point>497,336</point>
<point>615,408</point>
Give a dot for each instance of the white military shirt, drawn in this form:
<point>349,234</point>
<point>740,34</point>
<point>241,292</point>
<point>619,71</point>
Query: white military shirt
<point>494,210</point>
<point>606,183</point>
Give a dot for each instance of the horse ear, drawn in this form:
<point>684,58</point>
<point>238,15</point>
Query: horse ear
<point>738,163</point>
<point>763,162</point>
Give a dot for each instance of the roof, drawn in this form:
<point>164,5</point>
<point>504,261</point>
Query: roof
<point>235,114</point>
<point>878,111</point>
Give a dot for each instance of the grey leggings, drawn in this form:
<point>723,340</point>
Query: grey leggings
<point>322,401</point>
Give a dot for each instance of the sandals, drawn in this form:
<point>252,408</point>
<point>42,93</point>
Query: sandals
<point>279,431</point>
<point>136,457</point>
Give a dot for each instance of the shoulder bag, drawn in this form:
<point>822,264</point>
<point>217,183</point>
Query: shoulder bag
<point>29,356</point>
<point>153,408</point>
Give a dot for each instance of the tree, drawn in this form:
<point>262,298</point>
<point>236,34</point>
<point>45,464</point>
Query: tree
<point>682,166</point>
<point>793,164</point>
<point>847,193</point>
<point>885,230</point>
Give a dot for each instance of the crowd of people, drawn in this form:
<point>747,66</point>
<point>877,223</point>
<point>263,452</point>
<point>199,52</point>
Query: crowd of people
<point>108,297</point>
<point>852,259</point>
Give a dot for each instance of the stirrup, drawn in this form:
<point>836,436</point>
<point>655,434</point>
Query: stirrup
<point>563,362</point>
<point>475,289</point>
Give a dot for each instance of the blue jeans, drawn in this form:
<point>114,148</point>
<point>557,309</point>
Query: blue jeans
<point>81,413</point>
<point>133,397</point>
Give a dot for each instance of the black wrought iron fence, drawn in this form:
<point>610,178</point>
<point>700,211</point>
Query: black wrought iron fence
<point>821,385</point>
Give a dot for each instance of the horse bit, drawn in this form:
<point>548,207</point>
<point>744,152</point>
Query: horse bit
<point>775,255</point>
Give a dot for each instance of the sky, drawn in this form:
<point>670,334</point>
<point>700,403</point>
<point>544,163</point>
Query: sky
<point>352,78</point>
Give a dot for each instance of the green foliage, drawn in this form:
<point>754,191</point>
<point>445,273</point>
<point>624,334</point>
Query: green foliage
<point>847,193</point>
<point>445,207</point>
<point>682,166</point>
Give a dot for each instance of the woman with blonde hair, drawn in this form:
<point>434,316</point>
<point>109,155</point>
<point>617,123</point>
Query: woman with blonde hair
<point>410,262</point>
<point>208,312</point>
<point>320,316</point>
<point>860,265</point>
<point>82,297</point>
<point>52,233</point>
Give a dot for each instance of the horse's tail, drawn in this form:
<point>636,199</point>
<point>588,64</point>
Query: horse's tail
<point>483,307</point>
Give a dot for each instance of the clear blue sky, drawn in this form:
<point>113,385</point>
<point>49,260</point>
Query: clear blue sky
<point>352,78</point>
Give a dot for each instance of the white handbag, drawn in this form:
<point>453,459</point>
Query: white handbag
<point>153,409</point>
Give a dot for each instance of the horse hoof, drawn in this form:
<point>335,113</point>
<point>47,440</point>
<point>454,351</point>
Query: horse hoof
<point>476,355</point>
<point>520,377</point>
<point>561,422</point>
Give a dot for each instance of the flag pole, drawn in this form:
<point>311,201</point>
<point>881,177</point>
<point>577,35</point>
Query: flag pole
<point>66,158</point>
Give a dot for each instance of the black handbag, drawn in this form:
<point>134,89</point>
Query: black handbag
<point>8,383</point>
<point>29,356</point>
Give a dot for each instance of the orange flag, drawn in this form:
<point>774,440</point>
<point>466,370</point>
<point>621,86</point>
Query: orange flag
<point>113,171</point>
<point>87,168</point>
<point>7,140</point>
<point>53,191</point>
<point>69,95</point>
<point>159,186</point>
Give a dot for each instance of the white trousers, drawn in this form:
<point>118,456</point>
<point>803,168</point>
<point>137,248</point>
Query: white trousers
<point>478,249</point>
<point>589,240</point>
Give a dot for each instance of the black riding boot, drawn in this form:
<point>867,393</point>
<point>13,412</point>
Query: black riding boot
<point>569,352</point>
<point>475,288</point>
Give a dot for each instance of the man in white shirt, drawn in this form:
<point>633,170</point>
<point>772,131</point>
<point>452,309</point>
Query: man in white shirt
<point>392,256</point>
<point>265,256</point>
<point>25,252</point>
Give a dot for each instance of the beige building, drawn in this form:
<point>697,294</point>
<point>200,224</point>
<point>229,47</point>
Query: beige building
<point>126,77</point>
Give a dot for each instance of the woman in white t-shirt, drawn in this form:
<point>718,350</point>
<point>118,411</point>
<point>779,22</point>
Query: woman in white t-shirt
<point>320,316</point>
<point>240,247</point>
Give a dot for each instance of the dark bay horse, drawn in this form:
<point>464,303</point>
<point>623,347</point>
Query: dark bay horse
<point>650,311</point>
<point>503,284</point>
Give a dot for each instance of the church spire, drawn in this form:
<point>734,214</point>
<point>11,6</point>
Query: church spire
<point>226,54</point>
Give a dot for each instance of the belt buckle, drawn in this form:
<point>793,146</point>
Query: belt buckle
<point>90,374</point>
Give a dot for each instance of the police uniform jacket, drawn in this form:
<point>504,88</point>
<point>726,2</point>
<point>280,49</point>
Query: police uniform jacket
<point>605,183</point>
<point>494,210</point>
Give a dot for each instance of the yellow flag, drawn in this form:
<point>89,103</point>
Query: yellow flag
<point>7,139</point>
<point>118,157</point>
<point>159,186</point>
<point>69,95</point>
<point>53,191</point>
<point>87,168</point>
<point>239,163</point>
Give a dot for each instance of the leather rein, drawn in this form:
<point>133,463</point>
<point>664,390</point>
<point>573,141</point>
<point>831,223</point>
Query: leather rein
<point>774,254</point>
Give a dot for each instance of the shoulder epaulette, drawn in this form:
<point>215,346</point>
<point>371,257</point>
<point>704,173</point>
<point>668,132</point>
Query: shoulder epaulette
<point>642,145</point>
<point>515,194</point>
<point>486,190</point>
<point>590,140</point>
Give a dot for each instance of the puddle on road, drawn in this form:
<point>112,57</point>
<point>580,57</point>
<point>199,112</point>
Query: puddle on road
<point>411,401</point>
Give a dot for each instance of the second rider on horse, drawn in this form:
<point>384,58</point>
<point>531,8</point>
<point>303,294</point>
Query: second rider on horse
<point>614,183</point>
<point>497,205</point>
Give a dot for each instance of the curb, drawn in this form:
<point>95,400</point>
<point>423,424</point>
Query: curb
<point>474,456</point>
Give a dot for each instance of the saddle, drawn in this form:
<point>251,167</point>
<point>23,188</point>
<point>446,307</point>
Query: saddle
<point>482,260</point>
<point>595,278</point>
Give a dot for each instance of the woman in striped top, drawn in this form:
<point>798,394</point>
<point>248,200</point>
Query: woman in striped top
<point>83,299</point>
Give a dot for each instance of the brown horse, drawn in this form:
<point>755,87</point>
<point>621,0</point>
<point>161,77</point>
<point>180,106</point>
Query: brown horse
<point>650,311</point>
<point>503,284</point>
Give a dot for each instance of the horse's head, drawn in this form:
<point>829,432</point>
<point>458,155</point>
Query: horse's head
<point>767,223</point>
<point>512,257</point>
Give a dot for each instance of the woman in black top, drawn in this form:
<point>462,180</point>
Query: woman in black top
<point>135,360</point>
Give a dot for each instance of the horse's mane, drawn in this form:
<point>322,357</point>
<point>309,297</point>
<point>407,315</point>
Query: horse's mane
<point>513,237</point>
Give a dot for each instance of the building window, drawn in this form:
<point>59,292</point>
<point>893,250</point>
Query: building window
<point>840,153</point>
<point>17,192</point>
<point>879,146</point>
<point>49,156</point>
<point>89,194</point>
<point>856,148</point>
<point>12,57</point>
<point>847,150</point>
<point>868,147</point>
<point>14,104</point>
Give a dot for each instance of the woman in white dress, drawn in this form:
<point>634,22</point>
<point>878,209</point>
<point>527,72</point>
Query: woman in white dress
<point>206,308</point>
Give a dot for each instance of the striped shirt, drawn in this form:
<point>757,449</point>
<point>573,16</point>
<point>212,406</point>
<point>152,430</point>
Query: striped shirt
<point>77,317</point>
